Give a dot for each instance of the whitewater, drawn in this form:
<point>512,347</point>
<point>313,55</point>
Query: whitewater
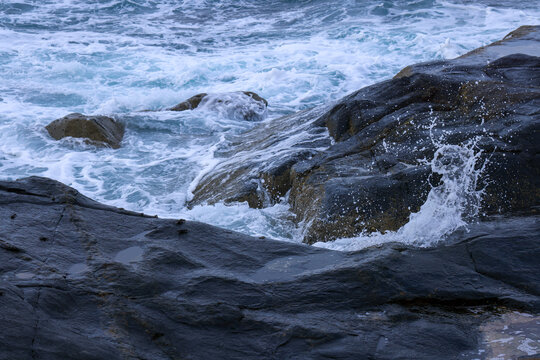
<point>117,58</point>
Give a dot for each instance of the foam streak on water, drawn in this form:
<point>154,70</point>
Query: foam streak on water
<point>116,57</point>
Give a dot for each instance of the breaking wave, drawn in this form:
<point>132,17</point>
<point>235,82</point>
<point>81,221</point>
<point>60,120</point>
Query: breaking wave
<point>450,205</point>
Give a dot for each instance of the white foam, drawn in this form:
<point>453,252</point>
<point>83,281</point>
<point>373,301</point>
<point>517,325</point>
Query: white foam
<point>529,346</point>
<point>275,222</point>
<point>234,105</point>
<point>448,207</point>
<point>120,57</point>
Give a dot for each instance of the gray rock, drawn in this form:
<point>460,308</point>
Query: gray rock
<point>81,280</point>
<point>97,130</point>
<point>355,166</point>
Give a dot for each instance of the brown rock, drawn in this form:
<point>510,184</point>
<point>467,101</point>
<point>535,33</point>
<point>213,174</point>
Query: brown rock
<point>241,105</point>
<point>190,103</point>
<point>98,130</point>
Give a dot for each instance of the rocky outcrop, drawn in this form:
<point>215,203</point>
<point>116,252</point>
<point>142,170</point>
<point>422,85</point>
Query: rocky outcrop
<point>360,166</point>
<point>80,280</point>
<point>241,105</point>
<point>97,130</point>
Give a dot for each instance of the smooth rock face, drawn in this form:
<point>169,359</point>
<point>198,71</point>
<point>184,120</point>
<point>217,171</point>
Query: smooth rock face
<point>368,174</point>
<point>98,130</point>
<point>80,280</point>
<point>240,105</point>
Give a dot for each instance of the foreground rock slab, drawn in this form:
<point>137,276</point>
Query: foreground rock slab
<point>81,280</point>
<point>97,130</point>
<point>359,166</point>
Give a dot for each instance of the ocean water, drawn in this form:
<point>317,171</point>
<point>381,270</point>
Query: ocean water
<point>118,57</point>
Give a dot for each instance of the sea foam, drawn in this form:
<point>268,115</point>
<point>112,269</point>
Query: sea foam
<point>449,206</point>
<point>118,57</point>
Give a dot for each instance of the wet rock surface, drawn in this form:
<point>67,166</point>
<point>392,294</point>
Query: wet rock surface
<point>97,130</point>
<point>189,104</point>
<point>241,105</point>
<point>359,165</point>
<point>81,280</point>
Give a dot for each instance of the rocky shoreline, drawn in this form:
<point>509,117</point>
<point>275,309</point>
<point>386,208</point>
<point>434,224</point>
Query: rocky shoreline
<point>82,280</point>
<point>369,175</point>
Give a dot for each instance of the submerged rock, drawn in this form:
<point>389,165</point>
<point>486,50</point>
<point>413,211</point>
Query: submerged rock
<point>189,104</point>
<point>113,284</point>
<point>240,105</point>
<point>98,130</point>
<point>363,164</point>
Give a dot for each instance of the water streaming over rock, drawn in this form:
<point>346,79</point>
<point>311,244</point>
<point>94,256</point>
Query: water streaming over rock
<point>450,205</point>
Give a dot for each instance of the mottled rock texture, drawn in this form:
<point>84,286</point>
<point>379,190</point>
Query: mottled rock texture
<point>358,166</point>
<point>80,280</point>
<point>96,130</point>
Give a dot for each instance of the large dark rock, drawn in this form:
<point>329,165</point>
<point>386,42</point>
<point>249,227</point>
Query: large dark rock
<point>359,165</point>
<point>241,105</point>
<point>97,130</point>
<point>80,280</point>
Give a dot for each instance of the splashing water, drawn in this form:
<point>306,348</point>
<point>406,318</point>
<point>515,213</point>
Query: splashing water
<point>116,57</point>
<point>448,207</point>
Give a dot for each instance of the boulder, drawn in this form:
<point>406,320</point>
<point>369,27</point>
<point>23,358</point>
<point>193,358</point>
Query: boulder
<point>189,104</point>
<point>363,164</point>
<point>81,280</point>
<point>97,130</point>
<point>239,105</point>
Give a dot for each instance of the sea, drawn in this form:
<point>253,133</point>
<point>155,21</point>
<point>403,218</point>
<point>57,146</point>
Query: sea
<point>119,57</point>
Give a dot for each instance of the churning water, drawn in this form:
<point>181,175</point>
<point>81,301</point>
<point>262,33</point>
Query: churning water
<point>117,57</point>
<point>448,207</point>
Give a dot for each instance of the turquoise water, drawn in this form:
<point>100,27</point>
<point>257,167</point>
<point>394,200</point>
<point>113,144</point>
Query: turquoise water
<point>119,57</point>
